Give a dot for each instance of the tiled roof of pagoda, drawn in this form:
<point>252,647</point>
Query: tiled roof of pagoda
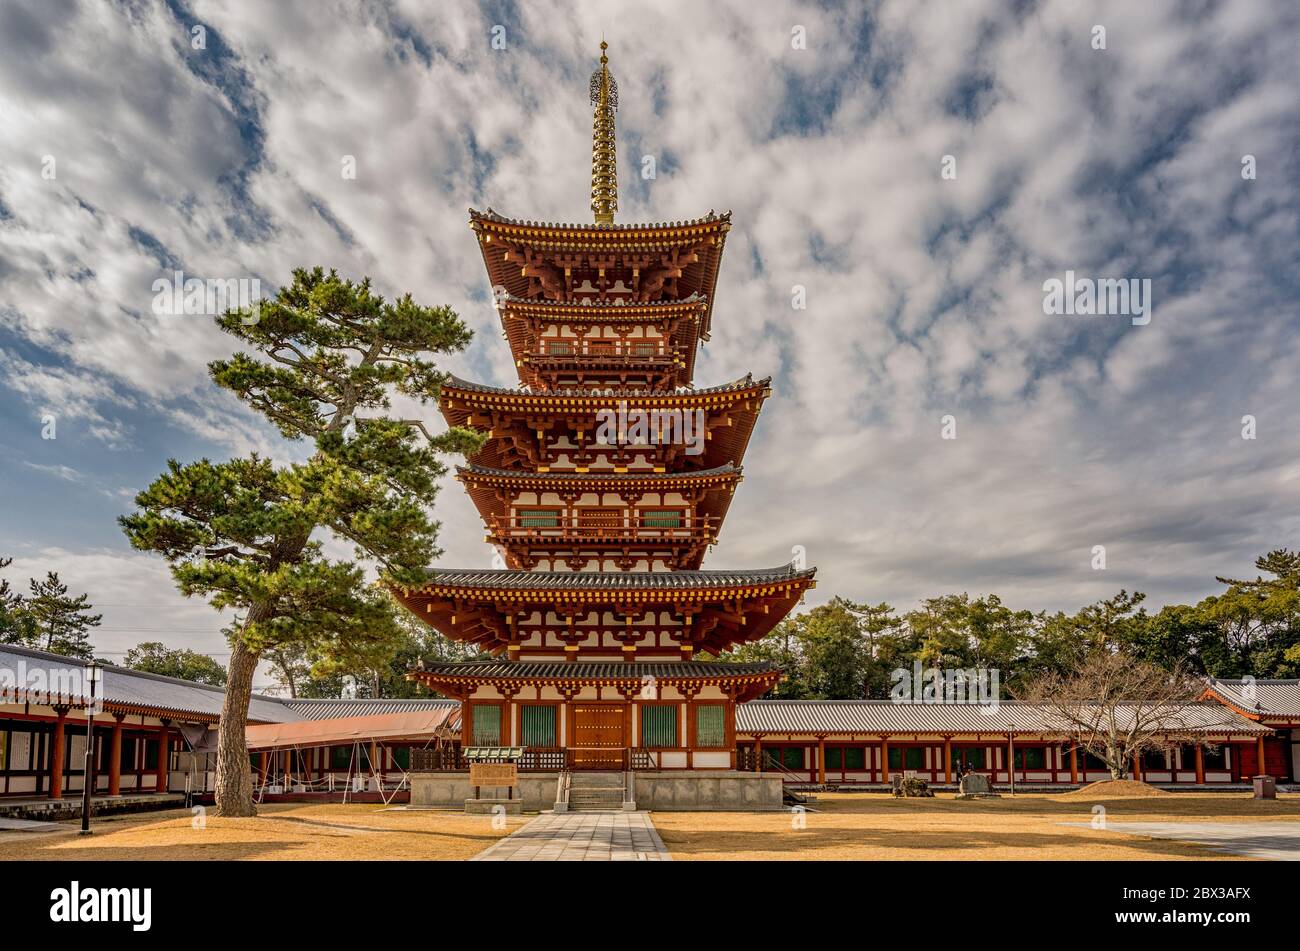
<point>685,255</point>
<point>590,309</point>
<point>748,680</point>
<point>612,582</point>
<point>491,216</point>
<point>596,477</point>
<point>518,410</point>
<point>612,670</point>
<point>746,382</point>
<point>729,607</point>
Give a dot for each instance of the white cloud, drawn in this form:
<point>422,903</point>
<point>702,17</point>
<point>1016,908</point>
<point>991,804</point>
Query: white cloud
<point>924,295</point>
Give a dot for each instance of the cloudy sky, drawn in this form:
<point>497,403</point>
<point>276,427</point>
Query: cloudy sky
<point>126,152</point>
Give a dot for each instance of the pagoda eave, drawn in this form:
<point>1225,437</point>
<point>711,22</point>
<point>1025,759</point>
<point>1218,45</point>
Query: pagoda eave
<point>503,610</point>
<point>539,260</point>
<point>740,681</point>
<point>522,421</point>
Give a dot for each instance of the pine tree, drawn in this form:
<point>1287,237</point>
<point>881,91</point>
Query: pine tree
<point>61,623</point>
<point>327,357</point>
<point>16,625</point>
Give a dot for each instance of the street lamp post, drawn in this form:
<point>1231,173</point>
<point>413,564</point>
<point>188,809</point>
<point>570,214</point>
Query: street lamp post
<point>88,776</point>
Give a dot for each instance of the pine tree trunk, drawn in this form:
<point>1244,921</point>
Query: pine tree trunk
<point>234,791</point>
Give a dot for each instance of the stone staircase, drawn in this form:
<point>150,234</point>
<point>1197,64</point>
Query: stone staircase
<point>595,792</point>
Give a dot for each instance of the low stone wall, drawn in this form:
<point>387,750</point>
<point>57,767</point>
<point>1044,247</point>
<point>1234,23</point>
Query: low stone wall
<point>663,791</point>
<point>713,791</point>
<point>450,790</point>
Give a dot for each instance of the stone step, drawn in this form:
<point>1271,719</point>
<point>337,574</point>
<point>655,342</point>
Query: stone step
<point>580,778</point>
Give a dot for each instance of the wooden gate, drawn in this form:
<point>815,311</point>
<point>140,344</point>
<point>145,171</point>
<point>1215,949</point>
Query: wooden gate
<point>598,735</point>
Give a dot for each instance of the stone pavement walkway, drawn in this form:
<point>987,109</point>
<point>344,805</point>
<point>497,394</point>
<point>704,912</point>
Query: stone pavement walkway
<point>29,825</point>
<point>1260,840</point>
<point>581,837</point>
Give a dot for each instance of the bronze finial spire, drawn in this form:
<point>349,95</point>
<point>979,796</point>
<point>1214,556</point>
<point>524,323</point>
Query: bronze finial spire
<point>604,155</point>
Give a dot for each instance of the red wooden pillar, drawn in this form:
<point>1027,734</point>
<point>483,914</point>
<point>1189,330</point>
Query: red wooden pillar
<point>758,753</point>
<point>1200,765</point>
<point>730,726</point>
<point>1259,757</point>
<point>884,759</point>
<point>164,744</point>
<point>821,759</point>
<point>1074,764</point>
<point>115,757</point>
<point>947,759</point>
<point>56,755</point>
<point>1137,767</point>
<point>1011,757</point>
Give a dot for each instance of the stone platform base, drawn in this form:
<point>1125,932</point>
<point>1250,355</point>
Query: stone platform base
<point>707,791</point>
<point>494,807</point>
<point>452,790</point>
<point>70,808</point>
<point>662,791</point>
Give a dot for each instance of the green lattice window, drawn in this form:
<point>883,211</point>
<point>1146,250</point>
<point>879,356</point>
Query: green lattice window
<point>538,725</point>
<point>350,757</point>
<point>846,757</point>
<point>659,726</point>
<point>908,757</point>
<point>558,348</point>
<point>666,518</point>
<point>487,724</point>
<point>1031,757</point>
<point>711,725</point>
<point>791,757</point>
<point>540,518</point>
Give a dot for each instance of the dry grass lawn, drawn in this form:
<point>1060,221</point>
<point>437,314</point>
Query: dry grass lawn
<point>285,831</point>
<point>872,826</point>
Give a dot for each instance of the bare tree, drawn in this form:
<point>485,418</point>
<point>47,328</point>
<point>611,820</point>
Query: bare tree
<point>1117,708</point>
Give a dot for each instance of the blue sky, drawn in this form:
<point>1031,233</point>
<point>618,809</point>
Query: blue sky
<point>924,293</point>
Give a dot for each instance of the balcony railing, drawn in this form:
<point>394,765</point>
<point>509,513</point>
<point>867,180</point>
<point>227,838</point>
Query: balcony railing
<point>451,759</point>
<point>600,529</point>
<point>633,351</point>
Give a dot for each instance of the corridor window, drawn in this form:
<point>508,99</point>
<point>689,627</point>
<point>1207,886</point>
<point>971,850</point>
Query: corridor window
<point>1031,757</point>
<point>487,724</point>
<point>537,724</point>
<point>659,725</point>
<point>710,725</point>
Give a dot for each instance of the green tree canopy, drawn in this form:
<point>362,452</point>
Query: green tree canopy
<point>155,657</point>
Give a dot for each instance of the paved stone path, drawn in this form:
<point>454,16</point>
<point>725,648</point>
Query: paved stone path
<point>1262,840</point>
<point>28,825</point>
<point>581,837</point>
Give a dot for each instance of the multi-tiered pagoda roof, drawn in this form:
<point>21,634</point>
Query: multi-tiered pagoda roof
<point>606,477</point>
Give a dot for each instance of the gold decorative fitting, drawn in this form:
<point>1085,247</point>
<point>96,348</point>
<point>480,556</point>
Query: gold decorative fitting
<point>604,154</point>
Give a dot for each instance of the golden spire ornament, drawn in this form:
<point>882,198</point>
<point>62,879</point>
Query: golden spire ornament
<point>604,155</point>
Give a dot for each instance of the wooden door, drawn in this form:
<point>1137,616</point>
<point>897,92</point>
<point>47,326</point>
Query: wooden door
<point>598,735</point>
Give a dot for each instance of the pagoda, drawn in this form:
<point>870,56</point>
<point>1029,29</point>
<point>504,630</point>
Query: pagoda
<point>605,478</point>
